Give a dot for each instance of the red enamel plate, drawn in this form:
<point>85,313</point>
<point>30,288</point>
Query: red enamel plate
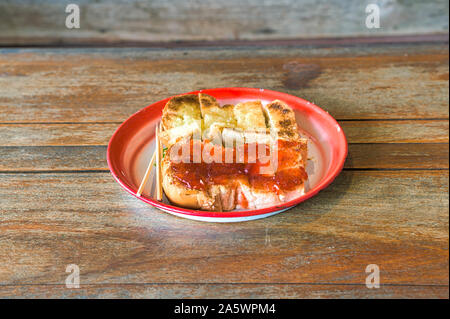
<point>132,145</point>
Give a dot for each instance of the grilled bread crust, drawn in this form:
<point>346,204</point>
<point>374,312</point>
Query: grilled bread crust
<point>181,117</point>
<point>281,120</point>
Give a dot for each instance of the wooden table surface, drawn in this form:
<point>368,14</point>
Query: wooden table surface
<point>59,205</point>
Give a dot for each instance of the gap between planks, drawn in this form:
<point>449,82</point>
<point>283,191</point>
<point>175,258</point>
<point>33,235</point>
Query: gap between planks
<point>225,283</point>
<point>436,38</point>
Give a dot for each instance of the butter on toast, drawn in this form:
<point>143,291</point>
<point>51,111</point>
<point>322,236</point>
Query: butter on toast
<point>250,125</point>
<point>249,116</point>
<point>215,117</point>
<point>181,117</point>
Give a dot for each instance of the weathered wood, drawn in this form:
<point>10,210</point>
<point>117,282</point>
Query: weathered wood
<point>58,158</point>
<point>28,22</point>
<point>85,86</point>
<point>223,291</point>
<point>398,156</point>
<point>51,134</point>
<point>397,220</point>
<point>395,131</point>
<point>361,156</point>
<point>58,110</point>
<point>54,134</point>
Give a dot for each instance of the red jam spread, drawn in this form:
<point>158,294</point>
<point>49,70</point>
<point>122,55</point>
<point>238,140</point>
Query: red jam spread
<point>289,174</point>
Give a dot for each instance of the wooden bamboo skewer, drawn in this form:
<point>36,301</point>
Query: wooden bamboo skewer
<point>148,172</point>
<point>158,164</point>
<point>146,176</point>
<point>155,157</point>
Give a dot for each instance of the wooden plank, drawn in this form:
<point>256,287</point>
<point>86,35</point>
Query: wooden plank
<point>395,131</point>
<point>223,291</point>
<point>59,158</point>
<point>361,156</point>
<point>54,134</point>
<point>28,22</point>
<point>108,85</point>
<point>398,156</point>
<point>397,220</point>
<point>80,134</point>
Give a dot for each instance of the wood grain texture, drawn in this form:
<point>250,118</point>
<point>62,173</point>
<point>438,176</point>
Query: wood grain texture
<point>436,131</point>
<point>361,156</point>
<point>82,134</point>
<point>398,220</point>
<point>57,158</point>
<point>398,156</point>
<point>59,204</point>
<point>110,84</point>
<point>106,21</point>
<point>54,134</point>
<point>223,291</point>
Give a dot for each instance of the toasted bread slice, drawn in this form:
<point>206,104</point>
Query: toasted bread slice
<point>181,117</point>
<point>248,121</point>
<point>183,196</point>
<point>215,116</point>
<point>249,116</point>
<point>281,120</point>
<point>250,125</point>
<point>193,189</point>
<point>283,125</point>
